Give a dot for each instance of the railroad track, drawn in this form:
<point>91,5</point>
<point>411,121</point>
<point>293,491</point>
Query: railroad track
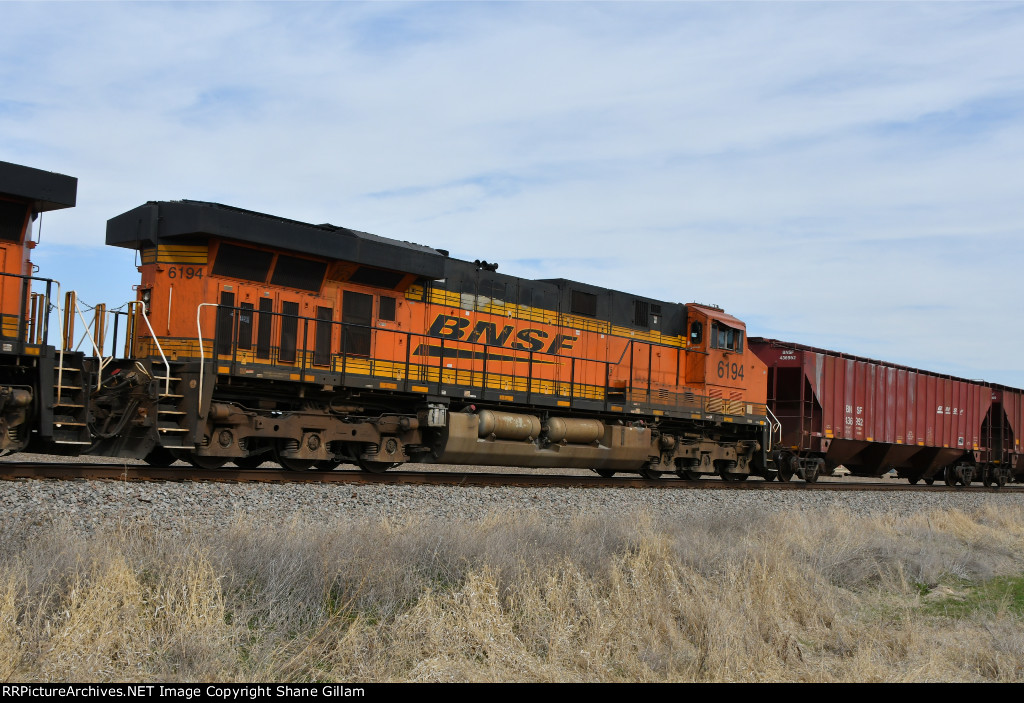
<point>122,472</point>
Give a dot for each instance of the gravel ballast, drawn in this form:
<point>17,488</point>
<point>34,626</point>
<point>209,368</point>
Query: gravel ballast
<point>165,505</point>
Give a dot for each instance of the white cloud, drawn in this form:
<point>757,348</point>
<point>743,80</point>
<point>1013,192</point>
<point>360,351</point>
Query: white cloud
<point>838,174</point>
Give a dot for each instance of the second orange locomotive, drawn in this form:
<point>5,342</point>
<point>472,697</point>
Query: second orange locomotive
<point>256,337</point>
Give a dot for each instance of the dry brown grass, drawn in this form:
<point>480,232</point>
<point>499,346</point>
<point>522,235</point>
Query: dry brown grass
<point>793,597</point>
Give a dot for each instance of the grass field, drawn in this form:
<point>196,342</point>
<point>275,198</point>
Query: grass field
<point>806,596</point>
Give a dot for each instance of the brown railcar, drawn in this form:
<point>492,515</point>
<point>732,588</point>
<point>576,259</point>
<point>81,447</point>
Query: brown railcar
<point>872,417</point>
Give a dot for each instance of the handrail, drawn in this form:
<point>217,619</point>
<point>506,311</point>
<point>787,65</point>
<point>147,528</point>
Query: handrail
<point>202,353</point>
<point>167,365</point>
<point>774,425</point>
<point>25,294</point>
<point>92,341</point>
<point>446,344</point>
<point>60,332</point>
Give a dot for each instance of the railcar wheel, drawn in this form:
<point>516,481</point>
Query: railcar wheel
<point>949,476</point>
<point>812,475</point>
<point>160,457</point>
<point>250,462</point>
<point>326,465</point>
<point>930,480</point>
<point>207,462</point>
<point>733,476</point>
<point>787,465</point>
<point>913,480</point>
<point>689,474</point>
<point>650,474</point>
<point>771,475</point>
<point>605,473</point>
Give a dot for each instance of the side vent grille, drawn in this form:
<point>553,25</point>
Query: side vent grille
<point>641,313</point>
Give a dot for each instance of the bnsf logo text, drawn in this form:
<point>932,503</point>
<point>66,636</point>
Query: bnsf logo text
<point>457,328</point>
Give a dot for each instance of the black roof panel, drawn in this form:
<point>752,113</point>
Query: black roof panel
<point>161,220</point>
<point>44,189</point>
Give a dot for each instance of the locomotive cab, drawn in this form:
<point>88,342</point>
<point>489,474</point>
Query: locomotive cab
<point>718,359</point>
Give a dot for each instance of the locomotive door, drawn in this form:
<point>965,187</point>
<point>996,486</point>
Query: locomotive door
<point>696,347</point>
<point>289,326</point>
<point>356,321</point>
<point>225,321</point>
<point>322,336</point>
<point>265,323</point>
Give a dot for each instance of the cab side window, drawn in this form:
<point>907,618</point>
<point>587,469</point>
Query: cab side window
<point>696,332</point>
<point>727,338</point>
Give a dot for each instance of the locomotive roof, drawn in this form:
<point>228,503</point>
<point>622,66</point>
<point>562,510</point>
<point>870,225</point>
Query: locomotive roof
<point>149,224</point>
<point>46,190</point>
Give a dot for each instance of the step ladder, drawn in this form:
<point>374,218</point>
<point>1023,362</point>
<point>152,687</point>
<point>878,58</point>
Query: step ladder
<point>69,405</point>
<point>170,413</point>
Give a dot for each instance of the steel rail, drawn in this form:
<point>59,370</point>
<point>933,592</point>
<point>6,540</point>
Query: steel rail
<point>123,472</point>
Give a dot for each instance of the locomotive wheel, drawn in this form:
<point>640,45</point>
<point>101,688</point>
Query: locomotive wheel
<point>688,474</point>
<point>207,462</point>
<point>250,462</point>
<point>376,467</point>
<point>290,463</point>
<point>160,457</point>
<point>650,474</point>
<point>605,473</point>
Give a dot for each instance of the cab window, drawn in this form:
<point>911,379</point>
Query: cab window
<point>696,332</point>
<point>725,337</point>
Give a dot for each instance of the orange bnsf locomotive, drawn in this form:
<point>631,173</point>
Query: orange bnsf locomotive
<point>258,338</point>
<point>43,393</point>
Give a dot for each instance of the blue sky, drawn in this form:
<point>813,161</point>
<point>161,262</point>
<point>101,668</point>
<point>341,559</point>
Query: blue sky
<point>845,175</point>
